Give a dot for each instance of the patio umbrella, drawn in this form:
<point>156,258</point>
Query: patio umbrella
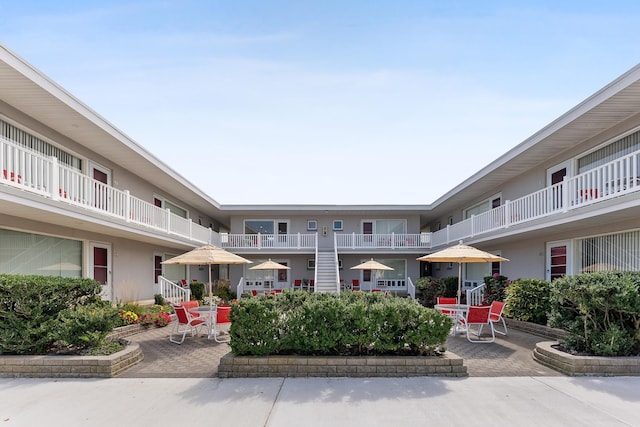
<point>461,254</point>
<point>207,255</point>
<point>269,265</point>
<point>372,265</point>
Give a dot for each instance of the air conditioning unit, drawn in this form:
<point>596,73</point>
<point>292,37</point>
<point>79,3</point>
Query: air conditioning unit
<point>470,284</point>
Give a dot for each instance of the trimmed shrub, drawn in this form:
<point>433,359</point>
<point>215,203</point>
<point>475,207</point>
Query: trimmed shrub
<point>496,286</point>
<point>354,323</point>
<point>31,306</point>
<point>528,300</point>
<point>430,289</point>
<point>600,312</point>
<point>197,290</point>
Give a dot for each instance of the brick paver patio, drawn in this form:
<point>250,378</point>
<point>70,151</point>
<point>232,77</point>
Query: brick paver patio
<point>198,357</point>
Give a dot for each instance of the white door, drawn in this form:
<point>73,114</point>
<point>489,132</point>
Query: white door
<point>558,260</point>
<point>100,268</point>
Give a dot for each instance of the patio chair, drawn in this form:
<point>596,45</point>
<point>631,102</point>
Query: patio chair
<point>297,284</point>
<point>355,285</point>
<point>454,315</point>
<point>495,316</point>
<point>185,324</point>
<point>312,285</point>
<point>222,317</point>
<point>478,316</point>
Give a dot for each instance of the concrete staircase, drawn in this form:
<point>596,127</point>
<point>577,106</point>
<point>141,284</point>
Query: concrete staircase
<point>327,281</point>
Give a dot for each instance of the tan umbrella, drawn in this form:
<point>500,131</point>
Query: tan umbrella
<point>372,265</point>
<point>461,254</point>
<point>269,265</point>
<point>207,255</point>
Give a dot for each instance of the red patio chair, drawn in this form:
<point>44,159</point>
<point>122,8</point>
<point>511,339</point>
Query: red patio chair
<point>495,316</point>
<point>186,323</point>
<point>355,285</point>
<point>478,316</point>
<point>297,284</point>
<point>222,317</point>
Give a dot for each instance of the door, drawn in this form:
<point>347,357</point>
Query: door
<point>101,176</point>
<point>100,268</point>
<point>558,260</point>
<point>555,175</point>
<point>367,230</point>
<point>283,231</point>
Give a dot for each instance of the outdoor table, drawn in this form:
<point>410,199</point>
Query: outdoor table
<point>208,312</point>
<point>455,311</point>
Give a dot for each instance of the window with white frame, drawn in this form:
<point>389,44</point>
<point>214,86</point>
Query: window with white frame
<point>610,152</point>
<point>484,206</point>
<point>618,252</point>
<point>337,225</point>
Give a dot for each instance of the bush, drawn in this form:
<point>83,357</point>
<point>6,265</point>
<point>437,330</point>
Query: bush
<point>528,300</point>
<point>30,307</point>
<point>430,289</point>
<point>496,286</point>
<point>324,324</point>
<point>83,327</point>
<point>197,290</point>
<point>159,299</point>
<point>600,312</point>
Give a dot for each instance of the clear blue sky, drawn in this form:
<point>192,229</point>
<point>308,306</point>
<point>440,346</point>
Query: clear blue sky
<point>345,102</point>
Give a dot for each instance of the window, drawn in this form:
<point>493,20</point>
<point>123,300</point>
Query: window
<point>255,226</point>
<point>176,210</point>
<point>618,252</point>
<point>311,264</point>
<point>25,139</point>
<point>484,206</point>
<point>157,267</point>
<point>26,253</point>
<point>610,152</point>
<point>337,224</point>
<point>312,225</point>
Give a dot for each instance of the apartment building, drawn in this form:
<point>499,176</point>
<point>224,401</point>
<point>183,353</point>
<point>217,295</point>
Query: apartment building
<point>80,198</point>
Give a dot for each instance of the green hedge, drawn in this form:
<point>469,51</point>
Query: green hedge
<point>528,300</point>
<point>354,323</point>
<point>38,312</point>
<point>600,311</point>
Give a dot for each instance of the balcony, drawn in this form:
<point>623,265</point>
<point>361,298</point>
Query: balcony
<point>31,171</point>
<point>302,242</point>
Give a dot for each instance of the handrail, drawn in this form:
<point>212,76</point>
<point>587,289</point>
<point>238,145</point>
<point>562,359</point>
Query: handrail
<point>411,288</point>
<point>335,262</point>
<point>315,270</point>
<point>240,288</point>
<point>172,292</point>
<point>475,296</point>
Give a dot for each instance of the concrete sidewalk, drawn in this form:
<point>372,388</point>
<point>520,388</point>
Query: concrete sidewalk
<point>335,402</point>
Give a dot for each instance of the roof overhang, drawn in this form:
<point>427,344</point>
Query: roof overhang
<point>28,90</point>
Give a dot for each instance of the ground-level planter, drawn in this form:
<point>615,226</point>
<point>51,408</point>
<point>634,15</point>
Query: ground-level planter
<point>448,365</point>
<point>70,366</point>
<point>571,365</point>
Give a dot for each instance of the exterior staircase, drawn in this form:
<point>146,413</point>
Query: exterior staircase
<point>326,272</point>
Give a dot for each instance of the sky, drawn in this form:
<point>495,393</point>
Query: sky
<point>326,102</point>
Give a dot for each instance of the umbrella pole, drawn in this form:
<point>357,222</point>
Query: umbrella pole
<point>210,287</point>
<point>459,282</point>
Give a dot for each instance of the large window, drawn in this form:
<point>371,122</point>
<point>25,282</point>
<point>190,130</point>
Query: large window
<point>259,226</point>
<point>34,143</point>
<point>610,252</point>
<point>483,206</point>
<point>615,150</point>
<point>26,253</point>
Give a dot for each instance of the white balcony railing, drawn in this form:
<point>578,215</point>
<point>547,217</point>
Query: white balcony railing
<point>31,171</point>
<point>268,241</point>
<point>382,241</point>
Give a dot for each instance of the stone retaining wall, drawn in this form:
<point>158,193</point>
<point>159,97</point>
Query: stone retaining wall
<point>70,366</point>
<point>532,328</point>
<point>572,365</point>
<point>448,365</point>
